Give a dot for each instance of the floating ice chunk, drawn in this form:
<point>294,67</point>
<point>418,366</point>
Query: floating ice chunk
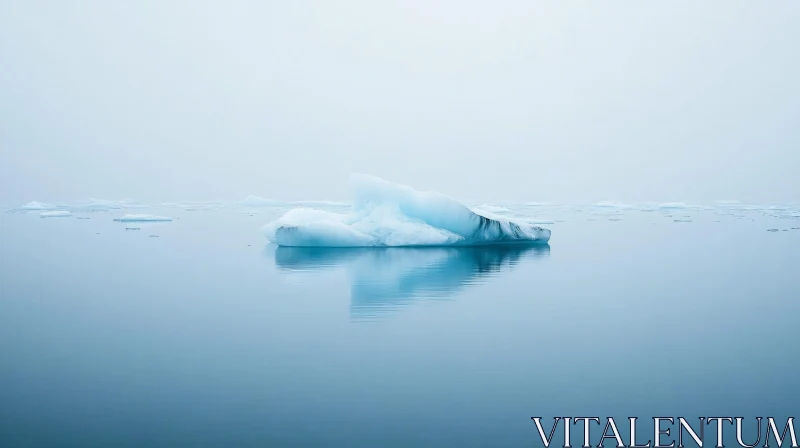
<point>387,214</point>
<point>256,201</point>
<point>611,204</point>
<point>679,206</point>
<point>672,205</point>
<point>35,205</point>
<point>142,218</point>
<point>56,214</point>
<point>106,204</point>
<point>194,205</point>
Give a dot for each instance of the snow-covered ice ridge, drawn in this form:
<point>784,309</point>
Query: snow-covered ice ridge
<point>388,214</point>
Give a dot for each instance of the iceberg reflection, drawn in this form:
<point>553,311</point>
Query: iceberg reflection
<point>387,279</point>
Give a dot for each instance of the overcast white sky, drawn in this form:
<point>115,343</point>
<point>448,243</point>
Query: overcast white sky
<point>503,100</point>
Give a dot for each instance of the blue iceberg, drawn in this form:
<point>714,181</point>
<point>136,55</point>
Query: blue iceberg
<point>387,214</point>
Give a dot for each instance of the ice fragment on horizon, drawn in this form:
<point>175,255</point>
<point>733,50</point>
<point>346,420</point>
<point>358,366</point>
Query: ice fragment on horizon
<point>56,214</point>
<point>611,204</point>
<point>35,205</point>
<point>101,205</point>
<point>257,201</point>
<point>142,218</point>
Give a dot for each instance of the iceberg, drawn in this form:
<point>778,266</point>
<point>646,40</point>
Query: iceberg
<point>387,214</point>
<point>142,218</point>
<point>55,214</point>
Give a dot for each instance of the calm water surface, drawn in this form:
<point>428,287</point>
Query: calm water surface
<point>207,336</point>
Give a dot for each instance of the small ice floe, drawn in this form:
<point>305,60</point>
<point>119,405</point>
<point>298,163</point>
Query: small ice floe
<point>56,214</point>
<point>83,217</point>
<point>106,205</point>
<point>153,236</point>
<point>194,206</point>
<point>772,230</point>
<point>611,204</point>
<point>672,205</point>
<point>614,219</point>
<point>35,205</point>
<point>142,218</point>
<point>683,220</point>
<point>257,201</point>
<point>132,228</point>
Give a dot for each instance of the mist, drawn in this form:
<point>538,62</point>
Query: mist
<point>510,100</point>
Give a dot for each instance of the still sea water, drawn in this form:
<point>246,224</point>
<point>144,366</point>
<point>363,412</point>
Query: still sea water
<point>199,333</point>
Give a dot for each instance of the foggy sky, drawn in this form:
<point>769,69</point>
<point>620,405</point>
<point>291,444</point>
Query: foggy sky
<point>502,100</point>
